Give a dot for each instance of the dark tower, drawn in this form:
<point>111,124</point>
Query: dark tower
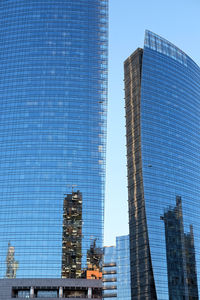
<point>142,281</point>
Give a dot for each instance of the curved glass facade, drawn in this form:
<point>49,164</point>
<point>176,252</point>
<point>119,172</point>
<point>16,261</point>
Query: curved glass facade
<point>53,91</point>
<point>163,86</point>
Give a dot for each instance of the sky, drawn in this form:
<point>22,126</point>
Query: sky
<point>175,20</point>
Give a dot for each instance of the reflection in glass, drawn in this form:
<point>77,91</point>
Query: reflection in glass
<point>11,263</point>
<point>180,251</point>
<point>23,294</point>
<point>162,94</point>
<point>94,261</point>
<point>123,267</point>
<point>116,270</point>
<point>110,273</point>
<point>53,84</point>
<point>72,236</point>
<point>47,294</point>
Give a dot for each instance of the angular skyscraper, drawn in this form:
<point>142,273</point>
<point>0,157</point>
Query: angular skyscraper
<point>162,94</point>
<point>53,91</point>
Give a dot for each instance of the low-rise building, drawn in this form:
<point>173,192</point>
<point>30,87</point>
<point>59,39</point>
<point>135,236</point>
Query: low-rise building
<point>51,289</point>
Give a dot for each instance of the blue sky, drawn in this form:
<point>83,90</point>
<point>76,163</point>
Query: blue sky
<point>175,20</point>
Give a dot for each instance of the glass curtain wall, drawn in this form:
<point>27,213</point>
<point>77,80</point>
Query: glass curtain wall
<point>109,273</point>
<point>123,267</point>
<point>170,112</point>
<point>53,94</point>
<point>162,86</point>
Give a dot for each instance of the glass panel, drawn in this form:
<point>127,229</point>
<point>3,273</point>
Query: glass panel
<point>47,294</point>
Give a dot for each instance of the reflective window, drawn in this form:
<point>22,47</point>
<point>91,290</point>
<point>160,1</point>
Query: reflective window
<point>23,294</point>
<point>47,294</point>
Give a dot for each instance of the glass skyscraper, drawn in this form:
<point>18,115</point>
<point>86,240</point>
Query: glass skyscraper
<point>162,94</point>
<point>53,91</point>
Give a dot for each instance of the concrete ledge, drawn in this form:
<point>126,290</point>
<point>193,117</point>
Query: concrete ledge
<point>7,286</point>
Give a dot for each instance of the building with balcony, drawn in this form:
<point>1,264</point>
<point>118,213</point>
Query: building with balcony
<point>116,270</point>
<point>109,273</point>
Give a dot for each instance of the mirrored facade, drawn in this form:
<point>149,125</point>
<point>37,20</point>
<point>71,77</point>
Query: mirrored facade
<point>109,273</point>
<point>72,236</point>
<point>123,268</point>
<point>180,251</point>
<point>53,94</point>
<point>116,270</point>
<point>162,93</point>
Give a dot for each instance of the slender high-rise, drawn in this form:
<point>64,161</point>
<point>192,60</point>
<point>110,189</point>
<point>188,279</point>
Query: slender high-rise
<point>53,94</point>
<point>162,95</point>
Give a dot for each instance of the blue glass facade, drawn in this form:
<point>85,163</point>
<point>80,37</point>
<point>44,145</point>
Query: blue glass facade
<point>116,271</point>
<point>109,273</point>
<point>53,91</point>
<point>123,268</point>
<point>163,108</point>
